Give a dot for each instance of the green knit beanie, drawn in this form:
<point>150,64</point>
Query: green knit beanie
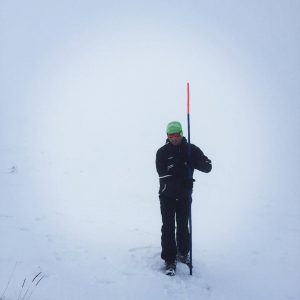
<point>174,127</point>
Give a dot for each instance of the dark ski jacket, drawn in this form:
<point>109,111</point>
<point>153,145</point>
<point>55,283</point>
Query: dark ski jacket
<point>175,168</point>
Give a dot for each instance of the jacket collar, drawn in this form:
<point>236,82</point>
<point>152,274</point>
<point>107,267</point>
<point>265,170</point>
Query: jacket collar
<point>183,143</point>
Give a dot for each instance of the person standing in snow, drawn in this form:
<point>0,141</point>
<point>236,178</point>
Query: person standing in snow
<point>173,165</point>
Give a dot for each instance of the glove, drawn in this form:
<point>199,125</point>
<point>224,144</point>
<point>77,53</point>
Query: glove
<point>188,183</point>
<point>205,165</point>
<point>208,166</point>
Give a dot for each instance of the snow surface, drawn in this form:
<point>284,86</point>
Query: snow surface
<point>87,88</point>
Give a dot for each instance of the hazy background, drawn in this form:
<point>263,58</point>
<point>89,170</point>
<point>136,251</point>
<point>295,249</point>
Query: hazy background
<point>87,88</point>
<point>94,83</point>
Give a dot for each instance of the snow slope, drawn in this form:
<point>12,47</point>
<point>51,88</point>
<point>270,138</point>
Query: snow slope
<point>86,92</point>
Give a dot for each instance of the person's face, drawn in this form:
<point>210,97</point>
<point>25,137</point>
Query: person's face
<point>175,138</point>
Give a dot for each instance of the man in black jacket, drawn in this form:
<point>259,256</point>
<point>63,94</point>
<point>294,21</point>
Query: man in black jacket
<point>175,168</point>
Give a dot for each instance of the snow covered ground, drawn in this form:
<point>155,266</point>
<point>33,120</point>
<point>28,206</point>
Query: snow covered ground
<point>87,89</point>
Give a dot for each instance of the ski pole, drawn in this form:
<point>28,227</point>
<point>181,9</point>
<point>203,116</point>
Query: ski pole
<point>189,177</point>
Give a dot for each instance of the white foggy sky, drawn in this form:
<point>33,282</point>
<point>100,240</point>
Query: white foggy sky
<point>71,70</point>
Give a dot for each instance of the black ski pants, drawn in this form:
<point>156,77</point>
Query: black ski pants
<point>175,228</point>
